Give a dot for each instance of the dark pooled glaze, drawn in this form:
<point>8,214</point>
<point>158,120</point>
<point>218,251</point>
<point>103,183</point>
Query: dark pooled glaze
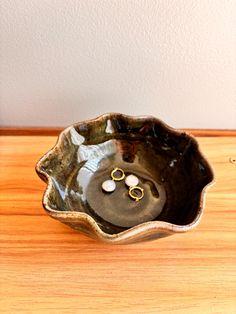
<point>167,162</point>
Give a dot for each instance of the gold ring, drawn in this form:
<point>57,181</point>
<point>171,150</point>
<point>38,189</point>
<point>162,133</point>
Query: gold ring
<point>117,178</point>
<point>135,197</point>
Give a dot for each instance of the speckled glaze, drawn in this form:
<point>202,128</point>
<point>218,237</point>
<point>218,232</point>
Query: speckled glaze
<point>170,168</point>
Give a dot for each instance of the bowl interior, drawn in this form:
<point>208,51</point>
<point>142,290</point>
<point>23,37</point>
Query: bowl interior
<point>168,164</point>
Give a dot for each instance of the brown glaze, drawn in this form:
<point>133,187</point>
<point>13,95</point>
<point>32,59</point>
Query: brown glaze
<point>167,162</point>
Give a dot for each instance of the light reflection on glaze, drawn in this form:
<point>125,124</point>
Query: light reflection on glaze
<point>76,138</point>
<point>61,191</point>
<point>92,155</point>
<point>173,162</point>
<point>109,128</point>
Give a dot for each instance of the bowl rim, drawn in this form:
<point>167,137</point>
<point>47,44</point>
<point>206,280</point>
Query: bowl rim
<point>150,226</point>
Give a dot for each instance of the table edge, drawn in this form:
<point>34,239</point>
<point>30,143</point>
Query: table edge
<point>54,131</point>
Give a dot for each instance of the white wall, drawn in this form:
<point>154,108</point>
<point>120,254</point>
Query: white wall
<point>63,61</point>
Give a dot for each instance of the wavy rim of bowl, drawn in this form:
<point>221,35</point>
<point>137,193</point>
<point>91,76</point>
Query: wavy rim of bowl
<point>146,227</point>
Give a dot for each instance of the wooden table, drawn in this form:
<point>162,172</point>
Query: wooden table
<point>46,267</point>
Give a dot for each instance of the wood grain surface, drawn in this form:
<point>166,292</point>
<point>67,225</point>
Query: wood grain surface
<point>46,267</point>
<point>50,131</point>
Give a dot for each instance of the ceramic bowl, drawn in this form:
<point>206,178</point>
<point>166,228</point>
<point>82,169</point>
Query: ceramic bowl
<point>168,163</point>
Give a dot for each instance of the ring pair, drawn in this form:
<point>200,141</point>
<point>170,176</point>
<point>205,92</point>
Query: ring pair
<point>117,174</point>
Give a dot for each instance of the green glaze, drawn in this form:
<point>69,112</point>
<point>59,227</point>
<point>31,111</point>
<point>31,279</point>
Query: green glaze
<point>168,163</point>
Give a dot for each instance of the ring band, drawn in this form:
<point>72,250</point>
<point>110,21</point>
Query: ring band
<point>117,178</point>
<point>135,197</point>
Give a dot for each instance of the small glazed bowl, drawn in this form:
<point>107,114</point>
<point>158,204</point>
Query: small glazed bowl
<point>168,163</point>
